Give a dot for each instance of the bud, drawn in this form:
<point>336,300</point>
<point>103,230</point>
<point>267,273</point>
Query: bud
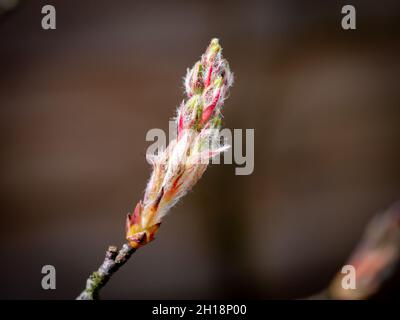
<point>178,168</point>
<point>136,233</point>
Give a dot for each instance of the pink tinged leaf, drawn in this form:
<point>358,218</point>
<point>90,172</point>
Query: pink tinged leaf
<point>158,199</point>
<point>210,108</point>
<point>135,217</point>
<point>208,79</point>
<point>180,125</point>
<point>174,188</point>
<point>128,222</point>
<point>176,184</point>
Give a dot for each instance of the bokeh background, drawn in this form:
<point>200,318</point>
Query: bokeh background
<point>77,102</point>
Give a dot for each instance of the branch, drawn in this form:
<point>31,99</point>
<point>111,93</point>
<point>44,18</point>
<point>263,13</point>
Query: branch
<point>113,260</point>
<point>375,259</point>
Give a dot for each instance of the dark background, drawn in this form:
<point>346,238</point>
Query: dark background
<point>76,103</point>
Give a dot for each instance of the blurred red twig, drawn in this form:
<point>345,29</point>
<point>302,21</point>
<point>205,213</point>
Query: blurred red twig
<point>375,259</point>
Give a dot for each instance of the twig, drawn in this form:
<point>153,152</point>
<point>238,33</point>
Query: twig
<point>113,260</point>
<point>375,259</point>
<point>177,168</point>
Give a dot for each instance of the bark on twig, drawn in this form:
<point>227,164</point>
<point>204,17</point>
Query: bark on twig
<point>113,260</point>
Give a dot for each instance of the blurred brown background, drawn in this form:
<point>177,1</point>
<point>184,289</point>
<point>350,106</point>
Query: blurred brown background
<point>76,103</point>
